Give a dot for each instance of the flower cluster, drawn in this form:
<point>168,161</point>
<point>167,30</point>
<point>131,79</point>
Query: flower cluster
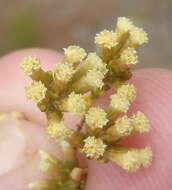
<point>68,172</point>
<point>80,79</point>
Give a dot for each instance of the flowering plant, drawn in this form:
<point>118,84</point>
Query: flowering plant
<point>73,87</point>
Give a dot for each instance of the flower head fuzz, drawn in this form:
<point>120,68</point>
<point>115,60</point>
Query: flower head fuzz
<point>75,103</point>
<point>30,65</point>
<point>146,156</point>
<point>96,118</point>
<point>59,131</point>
<point>64,72</point>
<point>107,39</point>
<point>94,147</point>
<point>127,91</point>
<point>36,91</point>
<point>138,36</point>
<point>74,54</point>
<point>140,122</point>
<point>119,104</point>
<point>124,25</point>
<point>129,56</point>
<point>123,126</point>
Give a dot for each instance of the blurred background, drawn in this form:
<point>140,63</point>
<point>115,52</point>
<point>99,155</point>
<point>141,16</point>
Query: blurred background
<point>56,24</point>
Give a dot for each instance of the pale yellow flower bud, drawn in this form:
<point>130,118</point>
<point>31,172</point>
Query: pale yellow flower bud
<point>124,25</point>
<point>64,72</point>
<point>74,54</point>
<point>75,103</point>
<point>30,65</point>
<point>96,118</point>
<point>129,160</point>
<point>77,174</point>
<point>138,37</point>
<point>146,156</point>
<point>92,80</point>
<point>94,147</point>
<point>140,122</point>
<point>36,91</point>
<point>119,104</point>
<point>123,126</point>
<point>59,130</point>
<point>47,161</point>
<point>127,91</point>
<point>129,57</point>
<point>93,61</point>
<point>107,39</point>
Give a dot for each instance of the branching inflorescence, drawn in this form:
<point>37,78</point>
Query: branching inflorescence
<point>73,87</point>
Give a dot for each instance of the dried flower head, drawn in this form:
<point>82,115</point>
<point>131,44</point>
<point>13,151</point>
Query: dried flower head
<point>94,147</point>
<point>75,103</point>
<point>127,91</point>
<point>64,72</point>
<point>96,118</point>
<point>146,156</point>
<point>140,122</point>
<point>129,57</point>
<point>30,65</point>
<point>74,54</point>
<point>36,91</point>
<point>130,160</point>
<point>107,39</point>
<point>119,104</point>
<point>93,79</point>
<point>124,24</point>
<point>95,62</point>
<point>59,131</point>
<point>123,126</point>
<point>138,36</point>
<point>47,161</point>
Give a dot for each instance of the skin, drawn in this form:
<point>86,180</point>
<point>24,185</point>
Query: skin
<point>19,156</point>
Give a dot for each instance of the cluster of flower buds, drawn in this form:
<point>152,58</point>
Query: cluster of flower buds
<point>64,174</point>
<point>79,80</point>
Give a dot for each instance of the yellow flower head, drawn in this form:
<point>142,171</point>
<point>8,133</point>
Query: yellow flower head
<point>30,65</point>
<point>106,39</point>
<point>129,56</point>
<point>36,91</point>
<point>74,54</point>
<point>94,147</point>
<point>119,104</point>
<point>47,161</point>
<point>94,79</point>
<point>64,72</point>
<point>76,104</point>
<point>140,122</point>
<point>93,61</point>
<point>130,161</point>
<point>59,131</point>
<point>123,126</point>
<point>138,36</point>
<point>124,25</point>
<point>96,118</point>
<point>146,156</point>
<point>127,91</point>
